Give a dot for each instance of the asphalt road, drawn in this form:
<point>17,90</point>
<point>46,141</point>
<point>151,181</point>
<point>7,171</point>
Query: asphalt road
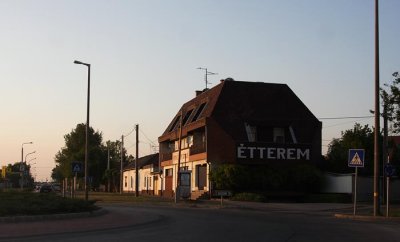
<point>213,224</point>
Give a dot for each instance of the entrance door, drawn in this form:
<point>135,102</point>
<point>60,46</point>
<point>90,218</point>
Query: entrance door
<point>155,185</point>
<point>201,176</point>
<point>168,183</point>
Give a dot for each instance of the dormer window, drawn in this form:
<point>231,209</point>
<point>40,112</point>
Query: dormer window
<point>186,117</point>
<point>175,124</point>
<point>279,135</point>
<point>198,112</point>
<point>251,132</point>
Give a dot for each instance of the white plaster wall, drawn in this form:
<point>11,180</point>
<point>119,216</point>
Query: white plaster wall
<point>130,175</point>
<point>338,183</point>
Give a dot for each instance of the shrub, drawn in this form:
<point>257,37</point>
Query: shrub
<point>249,197</point>
<point>238,178</point>
<point>26,203</point>
<point>305,178</point>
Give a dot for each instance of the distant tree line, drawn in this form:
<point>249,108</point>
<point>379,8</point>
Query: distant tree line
<point>14,174</point>
<point>99,153</point>
<point>362,137</point>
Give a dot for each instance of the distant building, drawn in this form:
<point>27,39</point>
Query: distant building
<point>237,122</point>
<point>148,176</point>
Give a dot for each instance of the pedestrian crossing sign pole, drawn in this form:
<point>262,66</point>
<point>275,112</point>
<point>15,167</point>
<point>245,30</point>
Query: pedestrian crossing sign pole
<point>76,168</point>
<point>356,159</point>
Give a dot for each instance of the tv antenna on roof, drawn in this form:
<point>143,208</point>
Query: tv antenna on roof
<point>206,74</point>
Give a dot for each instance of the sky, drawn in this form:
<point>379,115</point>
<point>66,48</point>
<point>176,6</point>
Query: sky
<point>144,55</point>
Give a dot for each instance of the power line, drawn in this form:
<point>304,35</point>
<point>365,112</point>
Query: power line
<point>343,123</point>
<point>152,142</point>
<point>354,117</point>
<point>130,132</point>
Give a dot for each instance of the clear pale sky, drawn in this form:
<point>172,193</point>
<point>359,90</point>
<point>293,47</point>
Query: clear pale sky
<point>144,56</point>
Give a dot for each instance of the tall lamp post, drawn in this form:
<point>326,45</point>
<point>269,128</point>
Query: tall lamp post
<point>87,127</point>
<point>22,160</point>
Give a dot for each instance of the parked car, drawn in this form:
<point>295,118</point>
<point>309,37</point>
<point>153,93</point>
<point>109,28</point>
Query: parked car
<point>56,187</point>
<point>37,188</point>
<point>45,188</point>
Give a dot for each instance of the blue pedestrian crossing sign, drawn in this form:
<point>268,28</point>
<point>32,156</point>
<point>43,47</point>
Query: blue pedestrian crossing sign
<point>356,158</point>
<point>76,167</point>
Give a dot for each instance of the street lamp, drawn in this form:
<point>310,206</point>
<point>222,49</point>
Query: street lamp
<point>29,161</point>
<point>87,127</point>
<point>24,165</point>
<point>33,152</point>
<point>22,160</point>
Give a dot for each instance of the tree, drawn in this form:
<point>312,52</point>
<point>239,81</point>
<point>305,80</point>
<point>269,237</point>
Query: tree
<point>360,137</point>
<point>74,150</point>
<point>111,176</point>
<point>391,102</point>
<point>13,174</point>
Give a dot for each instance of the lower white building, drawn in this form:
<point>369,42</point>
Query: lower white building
<point>148,178</point>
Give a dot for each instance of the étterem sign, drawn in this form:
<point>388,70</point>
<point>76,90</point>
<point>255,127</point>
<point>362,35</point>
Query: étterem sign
<point>260,151</point>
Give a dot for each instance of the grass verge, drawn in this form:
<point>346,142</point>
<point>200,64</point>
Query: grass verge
<point>27,203</point>
<point>106,197</point>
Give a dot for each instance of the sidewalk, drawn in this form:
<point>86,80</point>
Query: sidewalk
<point>308,208</point>
<point>337,210</point>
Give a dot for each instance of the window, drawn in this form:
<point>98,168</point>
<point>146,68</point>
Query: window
<point>279,135</point>
<point>190,140</point>
<point>175,123</point>
<point>265,134</point>
<point>251,132</point>
<point>184,168</point>
<point>126,181</point>
<point>131,181</point>
<point>168,172</point>
<point>171,146</point>
<point>198,112</point>
<point>186,117</point>
<point>184,144</point>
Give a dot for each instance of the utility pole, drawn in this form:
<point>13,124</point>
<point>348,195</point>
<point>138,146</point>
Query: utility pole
<point>178,178</point>
<point>122,164</point>
<point>108,167</point>
<point>136,162</point>
<point>385,152</point>
<point>377,114</point>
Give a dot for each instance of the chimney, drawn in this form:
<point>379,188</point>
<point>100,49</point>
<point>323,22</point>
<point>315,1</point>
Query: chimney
<point>198,93</point>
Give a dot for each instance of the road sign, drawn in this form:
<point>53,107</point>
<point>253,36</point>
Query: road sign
<point>76,167</point>
<point>356,158</point>
<point>223,193</point>
<point>390,170</point>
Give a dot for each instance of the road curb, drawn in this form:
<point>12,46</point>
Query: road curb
<point>366,217</point>
<point>33,218</point>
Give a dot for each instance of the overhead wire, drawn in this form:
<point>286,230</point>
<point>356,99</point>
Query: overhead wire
<point>152,142</point>
<point>350,117</point>
<point>344,123</point>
